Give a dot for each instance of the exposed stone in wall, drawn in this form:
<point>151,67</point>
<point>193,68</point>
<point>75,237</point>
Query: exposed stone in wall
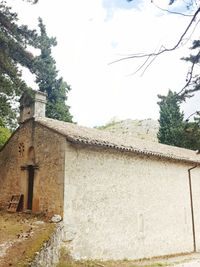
<point>50,253</point>
<point>33,144</point>
<point>12,157</point>
<point>49,180</point>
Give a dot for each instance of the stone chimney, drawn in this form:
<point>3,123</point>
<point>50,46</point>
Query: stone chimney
<point>32,105</point>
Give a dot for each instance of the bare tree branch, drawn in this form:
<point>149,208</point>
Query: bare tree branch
<point>190,74</point>
<point>164,50</point>
<point>171,12</point>
<point>196,112</point>
<point>142,65</point>
<point>190,36</point>
<point>183,92</point>
<point>152,60</point>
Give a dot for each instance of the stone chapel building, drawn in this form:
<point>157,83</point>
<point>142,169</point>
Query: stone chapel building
<point>118,198</point>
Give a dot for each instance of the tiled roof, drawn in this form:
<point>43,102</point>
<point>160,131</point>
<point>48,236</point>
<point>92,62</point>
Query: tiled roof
<point>94,137</point>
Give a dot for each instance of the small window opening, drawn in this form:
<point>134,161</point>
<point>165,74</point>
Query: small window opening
<point>21,149</point>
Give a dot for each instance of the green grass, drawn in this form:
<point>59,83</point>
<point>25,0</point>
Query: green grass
<point>67,261</point>
<point>35,244</point>
<point>107,264</point>
<point>22,251</point>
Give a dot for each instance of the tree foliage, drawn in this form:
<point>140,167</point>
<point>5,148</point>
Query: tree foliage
<point>192,135</point>
<point>171,120</point>
<point>191,130</point>
<point>193,77</point>
<point>14,40</point>
<point>4,135</point>
<point>47,78</point>
<point>174,130</point>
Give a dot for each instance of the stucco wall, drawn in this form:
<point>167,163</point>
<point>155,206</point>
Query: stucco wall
<point>34,145</point>
<point>119,205</point>
<point>195,182</point>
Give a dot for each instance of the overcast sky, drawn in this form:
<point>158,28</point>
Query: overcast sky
<point>93,33</point>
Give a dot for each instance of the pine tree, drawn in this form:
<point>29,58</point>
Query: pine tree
<point>171,120</point>
<point>192,135</point>
<point>13,53</point>
<point>193,79</point>
<point>173,129</point>
<point>47,78</point>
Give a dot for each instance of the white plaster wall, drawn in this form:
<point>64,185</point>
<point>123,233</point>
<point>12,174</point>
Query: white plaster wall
<point>195,181</point>
<point>120,206</point>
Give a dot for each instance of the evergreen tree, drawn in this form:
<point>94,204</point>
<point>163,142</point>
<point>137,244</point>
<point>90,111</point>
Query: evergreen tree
<point>47,78</point>
<point>171,120</point>
<point>192,135</point>
<point>173,129</point>
<point>13,53</point>
<point>193,79</point>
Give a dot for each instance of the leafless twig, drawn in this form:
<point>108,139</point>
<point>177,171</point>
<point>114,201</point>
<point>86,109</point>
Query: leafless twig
<point>142,65</point>
<point>196,112</point>
<point>171,12</point>
<point>182,92</point>
<point>164,50</point>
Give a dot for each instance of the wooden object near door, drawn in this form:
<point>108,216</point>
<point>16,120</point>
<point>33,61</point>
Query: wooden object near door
<point>16,203</point>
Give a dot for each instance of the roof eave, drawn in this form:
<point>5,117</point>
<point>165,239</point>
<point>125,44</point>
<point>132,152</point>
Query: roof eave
<point>130,150</point>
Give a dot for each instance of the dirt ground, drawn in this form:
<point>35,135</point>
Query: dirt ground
<point>21,236</point>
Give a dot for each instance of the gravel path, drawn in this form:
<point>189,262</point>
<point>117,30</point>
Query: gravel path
<point>190,260</point>
<point>184,260</point>
<point>195,263</point>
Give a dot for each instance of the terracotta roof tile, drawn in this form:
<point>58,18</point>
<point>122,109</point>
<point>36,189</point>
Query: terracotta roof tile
<point>94,137</point>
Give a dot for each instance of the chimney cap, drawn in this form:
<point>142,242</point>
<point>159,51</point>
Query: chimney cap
<point>30,96</point>
<point>32,104</point>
